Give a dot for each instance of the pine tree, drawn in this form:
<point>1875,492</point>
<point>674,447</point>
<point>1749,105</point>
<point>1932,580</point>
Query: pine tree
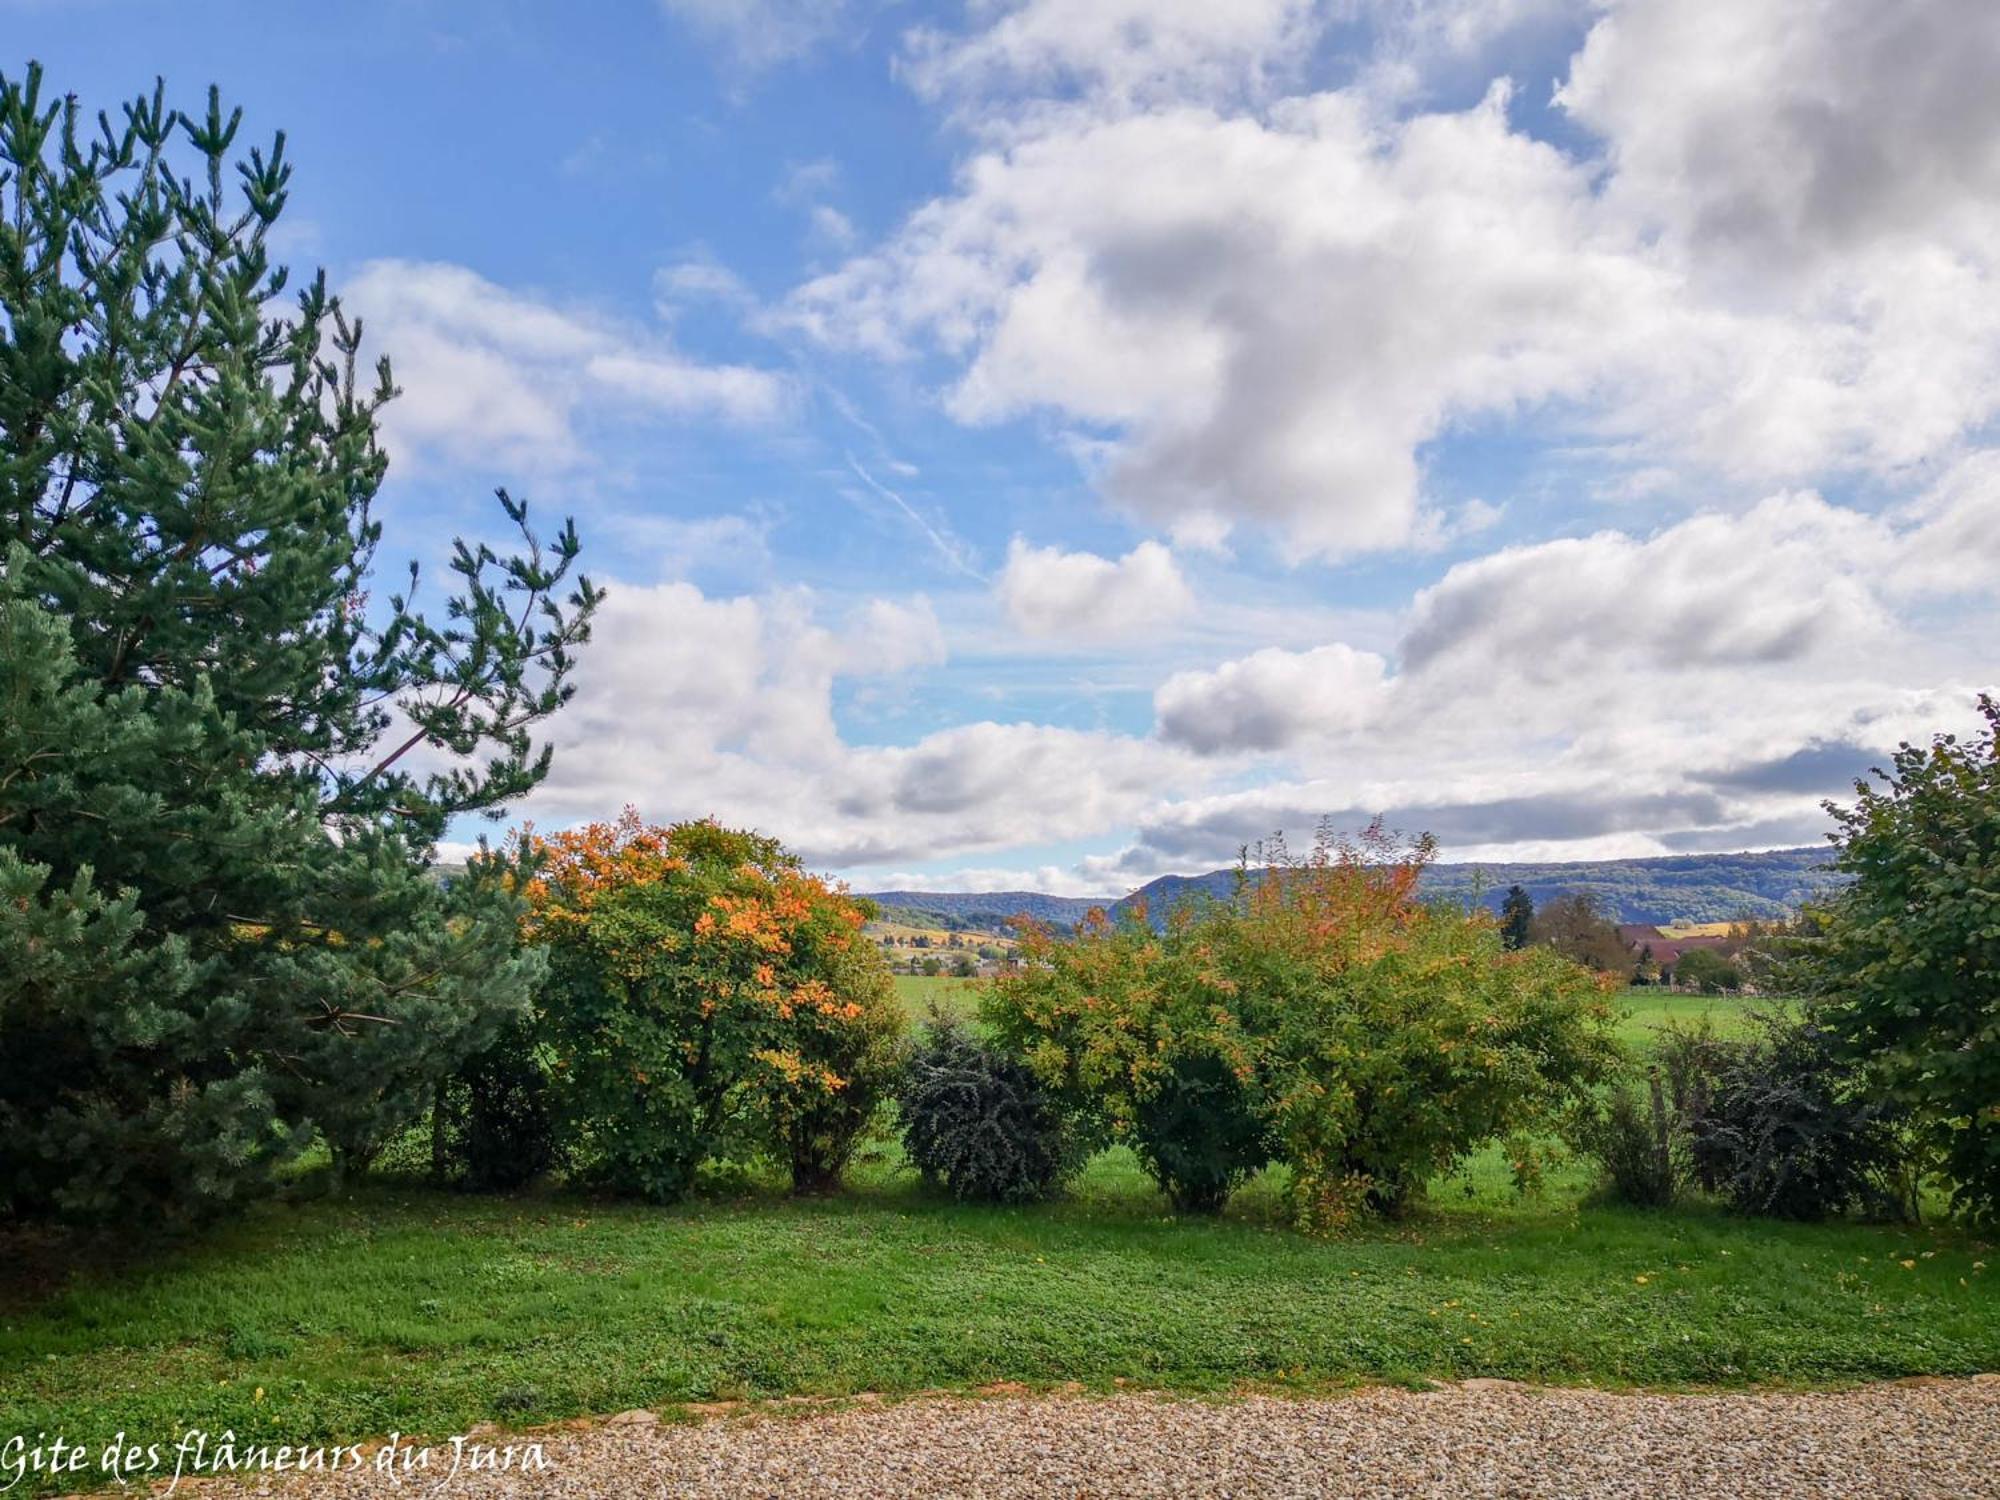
<point>219,935</point>
<point>1517,917</point>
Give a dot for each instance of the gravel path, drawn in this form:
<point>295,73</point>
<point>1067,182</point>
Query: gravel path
<point>1486,1438</point>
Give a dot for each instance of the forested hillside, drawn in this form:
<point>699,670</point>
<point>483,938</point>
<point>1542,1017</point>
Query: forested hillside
<point>1685,888</point>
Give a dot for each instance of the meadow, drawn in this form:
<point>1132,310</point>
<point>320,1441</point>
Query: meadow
<point>405,1309</point>
<point>1641,1011</point>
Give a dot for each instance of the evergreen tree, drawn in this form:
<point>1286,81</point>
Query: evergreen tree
<point>1517,917</point>
<point>218,933</point>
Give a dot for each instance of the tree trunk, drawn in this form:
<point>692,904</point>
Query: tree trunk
<point>1662,1145</point>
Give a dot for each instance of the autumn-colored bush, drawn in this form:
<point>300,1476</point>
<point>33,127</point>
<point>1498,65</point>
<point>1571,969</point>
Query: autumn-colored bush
<point>1325,1017</point>
<point>706,999</point>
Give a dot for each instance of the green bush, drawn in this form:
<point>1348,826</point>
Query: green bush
<point>1641,1133</point>
<point>1779,1125</point>
<point>1325,1018</point>
<point>1708,971</point>
<point>1116,1021</point>
<point>706,999</point>
<point>1908,956</point>
<point>495,1126</point>
<point>1199,1133</point>
<point>978,1123</point>
<point>1789,1130</point>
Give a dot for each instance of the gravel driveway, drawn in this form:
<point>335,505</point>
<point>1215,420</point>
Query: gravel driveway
<point>1918,1438</point>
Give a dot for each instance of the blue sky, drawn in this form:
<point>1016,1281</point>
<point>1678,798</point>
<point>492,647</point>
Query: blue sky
<point>1033,444</point>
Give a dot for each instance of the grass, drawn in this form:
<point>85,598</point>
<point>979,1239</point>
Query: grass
<point>919,992</point>
<point>1645,1010</point>
<point>422,1312</point>
<point>403,1309</point>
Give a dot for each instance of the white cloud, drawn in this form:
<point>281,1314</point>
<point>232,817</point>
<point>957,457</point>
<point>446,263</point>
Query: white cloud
<point>1701,687</point>
<point>1272,699</point>
<point>1787,581</point>
<point>495,377</point>
<point>754,35</point>
<point>885,637</point>
<point>699,279</point>
<point>1051,880</point>
<point>832,227</point>
<point>1269,316</point>
<point>1789,132</point>
<point>1079,595</point>
<point>688,705</point>
<point>1126,50</point>
<point>1953,545</point>
<point>1760,265</point>
<point>1262,309</point>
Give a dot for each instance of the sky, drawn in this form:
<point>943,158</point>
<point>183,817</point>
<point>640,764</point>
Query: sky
<point>1034,444</point>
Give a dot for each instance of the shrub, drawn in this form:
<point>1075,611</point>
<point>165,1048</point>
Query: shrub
<point>706,998</point>
<point>1908,959</point>
<point>1115,1021</point>
<point>978,1123</point>
<point>495,1126</point>
<point>1199,1133</point>
<point>1708,971</point>
<point>1779,1125</point>
<point>1640,1134</point>
<point>1789,1131</point>
<point>1325,1017</point>
<point>841,1057</point>
<point>1630,1138</point>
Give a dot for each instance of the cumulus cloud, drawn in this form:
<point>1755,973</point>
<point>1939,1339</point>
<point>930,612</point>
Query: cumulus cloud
<point>493,376</point>
<point>1079,595</point>
<point>1753,268</point>
<point>1262,308</point>
<point>1704,686</point>
<point>689,705</point>
<point>1792,131</point>
<point>1953,544</point>
<point>1271,699</point>
<point>1269,317</point>
<point>1786,581</point>
<point>887,636</point>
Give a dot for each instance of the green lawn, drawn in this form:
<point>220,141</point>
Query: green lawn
<point>410,1310</point>
<point>919,992</point>
<point>1646,1010</point>
<point>422,1312</point>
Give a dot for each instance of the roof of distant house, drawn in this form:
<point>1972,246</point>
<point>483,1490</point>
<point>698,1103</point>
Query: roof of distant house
<point>1666,951</point>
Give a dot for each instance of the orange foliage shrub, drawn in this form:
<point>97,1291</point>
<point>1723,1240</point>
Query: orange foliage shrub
<point>706,998</point>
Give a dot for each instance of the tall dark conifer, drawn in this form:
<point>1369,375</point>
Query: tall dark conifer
<point>223,763</point>
<point>1517,917</point>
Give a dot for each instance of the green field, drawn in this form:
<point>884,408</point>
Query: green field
<point>1645,1011</point>
<point>919,992</point>
<point>1642,1011</point>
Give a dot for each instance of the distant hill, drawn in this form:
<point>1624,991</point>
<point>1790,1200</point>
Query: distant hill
<point>1673,888</point>
<point>983,911</point>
